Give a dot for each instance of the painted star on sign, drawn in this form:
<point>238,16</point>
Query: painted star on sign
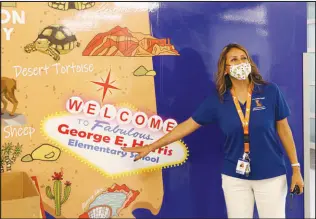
<point>106,85</point>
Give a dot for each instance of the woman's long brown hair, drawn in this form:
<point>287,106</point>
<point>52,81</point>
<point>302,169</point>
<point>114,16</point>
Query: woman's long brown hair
<point>223,82</point>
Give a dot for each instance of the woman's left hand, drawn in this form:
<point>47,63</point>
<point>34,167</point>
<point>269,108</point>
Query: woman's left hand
<point>297,179</point>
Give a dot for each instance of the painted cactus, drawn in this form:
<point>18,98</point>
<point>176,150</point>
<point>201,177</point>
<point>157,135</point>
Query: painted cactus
<point>9,153</point>
<point>57,189</point>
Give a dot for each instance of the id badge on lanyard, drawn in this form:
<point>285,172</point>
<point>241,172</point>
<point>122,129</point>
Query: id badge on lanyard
<point>243,165</point>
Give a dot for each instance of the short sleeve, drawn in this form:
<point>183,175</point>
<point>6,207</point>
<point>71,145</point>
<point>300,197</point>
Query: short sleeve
<point>206,112</point>
<point>282,109</point>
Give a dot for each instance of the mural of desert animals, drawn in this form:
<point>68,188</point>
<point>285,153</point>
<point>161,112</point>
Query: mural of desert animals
<point>9,154</point>
<point>64,6</point>
<point>110,202</point>
<point>8,87</point>
<point>57,196</point>
<point>54,40</point>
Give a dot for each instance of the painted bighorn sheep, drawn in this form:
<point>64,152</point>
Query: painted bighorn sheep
<point>8,87</point>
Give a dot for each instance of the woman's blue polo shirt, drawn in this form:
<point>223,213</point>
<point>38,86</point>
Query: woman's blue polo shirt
<point>266,154</point>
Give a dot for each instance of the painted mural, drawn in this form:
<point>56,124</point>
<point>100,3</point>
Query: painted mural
<point>72,97</point>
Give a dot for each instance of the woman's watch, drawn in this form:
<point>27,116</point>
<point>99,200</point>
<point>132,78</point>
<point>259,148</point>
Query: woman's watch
<point>295,165</point>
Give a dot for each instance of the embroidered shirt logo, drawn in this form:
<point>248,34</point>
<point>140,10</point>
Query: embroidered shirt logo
<point>259,105</point>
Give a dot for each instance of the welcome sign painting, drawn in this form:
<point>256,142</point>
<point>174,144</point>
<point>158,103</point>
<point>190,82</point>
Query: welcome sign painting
<point>95,134</point>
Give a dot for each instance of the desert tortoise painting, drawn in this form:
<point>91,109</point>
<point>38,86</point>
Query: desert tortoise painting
<point>64,6</point>
<point>54,40</point>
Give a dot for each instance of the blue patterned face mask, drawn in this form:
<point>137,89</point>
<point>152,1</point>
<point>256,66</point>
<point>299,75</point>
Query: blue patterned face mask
<point>240,71</point>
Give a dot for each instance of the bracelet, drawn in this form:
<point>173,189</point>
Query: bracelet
<point>295,164</point>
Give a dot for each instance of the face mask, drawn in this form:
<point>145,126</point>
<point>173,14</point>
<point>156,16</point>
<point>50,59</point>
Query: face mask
<point>240,71</point>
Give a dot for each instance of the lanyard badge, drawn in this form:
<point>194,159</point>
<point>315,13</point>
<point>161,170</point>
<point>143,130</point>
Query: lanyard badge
<point>243,165</point>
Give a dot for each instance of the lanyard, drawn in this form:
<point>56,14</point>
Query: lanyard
<point>244,119</point>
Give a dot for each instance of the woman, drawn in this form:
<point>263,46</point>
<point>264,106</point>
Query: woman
<point>253,115</point>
